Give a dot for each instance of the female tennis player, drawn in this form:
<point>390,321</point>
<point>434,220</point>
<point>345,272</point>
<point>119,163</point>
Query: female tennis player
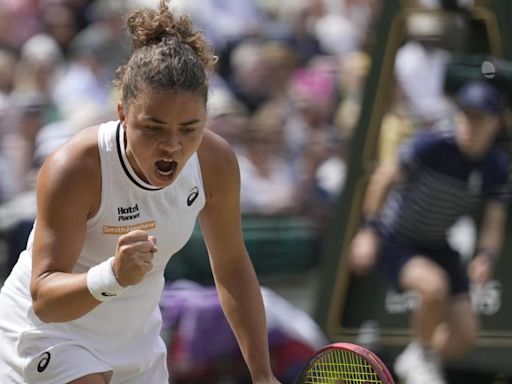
<point>114,203</point>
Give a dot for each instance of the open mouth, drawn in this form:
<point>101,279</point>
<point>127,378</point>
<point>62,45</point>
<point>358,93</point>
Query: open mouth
<point>166,167</point>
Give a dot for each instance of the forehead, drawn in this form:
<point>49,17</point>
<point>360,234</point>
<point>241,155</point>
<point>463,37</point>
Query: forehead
<point>164,102</point>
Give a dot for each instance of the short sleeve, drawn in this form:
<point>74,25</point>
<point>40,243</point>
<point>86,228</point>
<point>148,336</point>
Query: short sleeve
<point>497,178</point>
<point>419,152</point>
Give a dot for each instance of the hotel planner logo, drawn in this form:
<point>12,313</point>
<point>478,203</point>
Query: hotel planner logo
<point>127,214</point>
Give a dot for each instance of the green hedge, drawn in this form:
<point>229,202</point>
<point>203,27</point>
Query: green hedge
<point>277,245</point>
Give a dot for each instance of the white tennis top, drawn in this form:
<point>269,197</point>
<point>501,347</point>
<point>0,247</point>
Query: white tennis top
<point>125,329</point>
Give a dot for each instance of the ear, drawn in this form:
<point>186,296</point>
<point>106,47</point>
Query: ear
<point>121,114</point>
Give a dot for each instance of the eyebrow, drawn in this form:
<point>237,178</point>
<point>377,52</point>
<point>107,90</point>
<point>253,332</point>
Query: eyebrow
<point>158,121</point>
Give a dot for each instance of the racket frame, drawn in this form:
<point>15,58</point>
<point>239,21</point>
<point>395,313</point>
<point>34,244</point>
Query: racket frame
<point>371,358</point>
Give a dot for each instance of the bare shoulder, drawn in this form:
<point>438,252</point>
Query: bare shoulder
<point>73,170</point>
<point>78,157</point>
<point>219,164</point>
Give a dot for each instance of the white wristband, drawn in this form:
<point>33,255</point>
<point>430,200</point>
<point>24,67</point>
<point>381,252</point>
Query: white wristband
<point>102,282</point>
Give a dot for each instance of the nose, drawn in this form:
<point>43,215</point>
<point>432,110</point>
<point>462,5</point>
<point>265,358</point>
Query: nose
<point>171,143</point>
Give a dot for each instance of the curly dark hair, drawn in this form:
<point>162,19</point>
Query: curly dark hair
<point>168,53</point>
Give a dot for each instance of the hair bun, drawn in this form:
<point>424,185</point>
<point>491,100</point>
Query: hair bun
<point>151,27</point>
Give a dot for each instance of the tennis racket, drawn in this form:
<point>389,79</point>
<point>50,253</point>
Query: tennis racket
<point>344,363</point>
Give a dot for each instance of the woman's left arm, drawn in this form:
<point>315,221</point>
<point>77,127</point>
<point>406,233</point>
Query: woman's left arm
<point>237,285</point>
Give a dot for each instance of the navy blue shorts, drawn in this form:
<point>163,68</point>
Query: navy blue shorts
<point>395,253</point>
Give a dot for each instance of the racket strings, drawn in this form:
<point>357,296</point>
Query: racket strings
<point>341,367</point>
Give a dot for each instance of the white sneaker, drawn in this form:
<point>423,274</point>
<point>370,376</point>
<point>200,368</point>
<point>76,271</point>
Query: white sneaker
<point>427,370</point>
<point>417,365</point>
<point>406,360</point>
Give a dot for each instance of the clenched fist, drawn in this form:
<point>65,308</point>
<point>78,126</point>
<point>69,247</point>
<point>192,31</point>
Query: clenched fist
<point>134,257</point>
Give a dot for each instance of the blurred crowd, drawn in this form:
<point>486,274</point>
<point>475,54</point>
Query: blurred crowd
<point>285,92</point>
<point>284,68</point>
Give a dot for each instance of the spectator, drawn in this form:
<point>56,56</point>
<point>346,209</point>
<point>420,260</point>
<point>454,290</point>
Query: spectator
<point>86,79</point>
<point>311,137</point>
<point>226,115</point>
<point>267,182</point>
<point>396,127</point>
<point>39,66</point>
<point>354,68</point>
<point>224,20</point>
<point>8,62</point>
<point>19,20</point>
<point>282,62</point>
<point>343,26</point>
<point>302,40</point>
<point>60,20</point>
<point>420,67</point>
<point>27,118</point>
<point>249,76</point>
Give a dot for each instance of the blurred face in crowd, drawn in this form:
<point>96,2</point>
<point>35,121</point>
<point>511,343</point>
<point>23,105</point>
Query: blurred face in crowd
<point>476,131</point>
<point>61,23</point>
<point>7,66</point>
<point>228,126</point>
<point>162,131</point>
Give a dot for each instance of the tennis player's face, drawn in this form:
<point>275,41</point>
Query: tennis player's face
<point>162,131</point>
<point>476,131</point>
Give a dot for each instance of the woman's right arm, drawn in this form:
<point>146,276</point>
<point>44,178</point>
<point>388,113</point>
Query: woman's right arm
<point>68,193</point>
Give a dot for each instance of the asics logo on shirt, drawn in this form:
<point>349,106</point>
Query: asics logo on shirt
<point>192,196</point>
<point>43,363</point>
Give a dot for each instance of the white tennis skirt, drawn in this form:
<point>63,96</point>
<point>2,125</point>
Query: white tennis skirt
<point>38,357</point>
